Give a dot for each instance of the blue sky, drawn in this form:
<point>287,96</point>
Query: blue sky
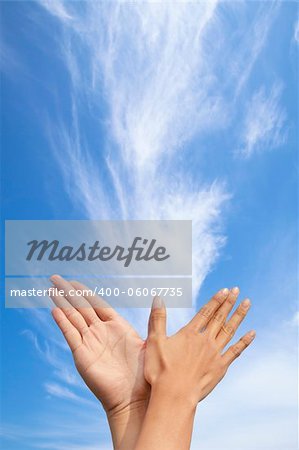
<point>145,110</point>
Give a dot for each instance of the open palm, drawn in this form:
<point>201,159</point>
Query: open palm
<point>107,351</point>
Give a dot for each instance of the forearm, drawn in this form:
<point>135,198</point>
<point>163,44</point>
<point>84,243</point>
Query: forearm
<point>125,425</point>
<point>168,422</point>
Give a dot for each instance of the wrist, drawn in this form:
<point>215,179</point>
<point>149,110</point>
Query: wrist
<point>118,412</point>
<point>125,422</point>
<point>172,392</point>
<point>169,419</point>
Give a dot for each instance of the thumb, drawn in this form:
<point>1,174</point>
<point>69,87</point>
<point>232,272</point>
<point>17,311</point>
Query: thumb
<point>157,319</point>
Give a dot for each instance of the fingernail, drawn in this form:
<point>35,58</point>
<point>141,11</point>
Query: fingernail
<point>246,303</point>
<point>252,334</point>
<point>225,291</point>
<point>157,303</point>
<point>54,278</point>
<point>235,290</point>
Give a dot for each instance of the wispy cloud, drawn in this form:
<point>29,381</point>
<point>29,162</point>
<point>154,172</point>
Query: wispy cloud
<point>264,124</point>
<point>164,75</point>
<point>159,80</point>
<point>296,31</point>
<point>57,390</point>
<point>10,61</point>
<point>52,354</point>
<point>72,446</point>
<point>63,428</point>
<point>148,66</point>
<point>57,9</point>
<point>251,44</point>
<point>294,320</point>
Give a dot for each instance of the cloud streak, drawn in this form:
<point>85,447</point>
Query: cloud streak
<point>52,353</point>
<point>65,393</point>
<point>57,9</point>
<point>148,67</point>
<point>263,127</point>
<point>296,32</point>
<point>264,123</point>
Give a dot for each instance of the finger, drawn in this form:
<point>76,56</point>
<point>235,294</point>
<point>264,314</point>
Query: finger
<point>235,350</point>
<point>157,319</point>
<point>70,312</point>
<point>228,329</point>
<point>76,300</point>
<point>71,334</point>
<point>219,318</point>
<point>103,310</point>
<point>203,316</point>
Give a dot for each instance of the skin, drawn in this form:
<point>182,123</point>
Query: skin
<point>184,368</point>
<point>120,368</point>
<point>109,356</point>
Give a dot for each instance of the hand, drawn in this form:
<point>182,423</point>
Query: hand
<point>191,362</point>
<point>107,351</point>
<point>184,368</point>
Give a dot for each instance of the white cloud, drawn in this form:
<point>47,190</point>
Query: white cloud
<point>264,123</point>
<point>295,319</point>
<point>65,393</point>
<point>56,430</point>
<point>10,61</point>
<point>296,31</point>
<point>60,391</point>
<point>57,9</point>
<point>251,43</point>
<point>71,446</point>
<point>161,85</point>
<point>52,353</point>
<point>150,68</point>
